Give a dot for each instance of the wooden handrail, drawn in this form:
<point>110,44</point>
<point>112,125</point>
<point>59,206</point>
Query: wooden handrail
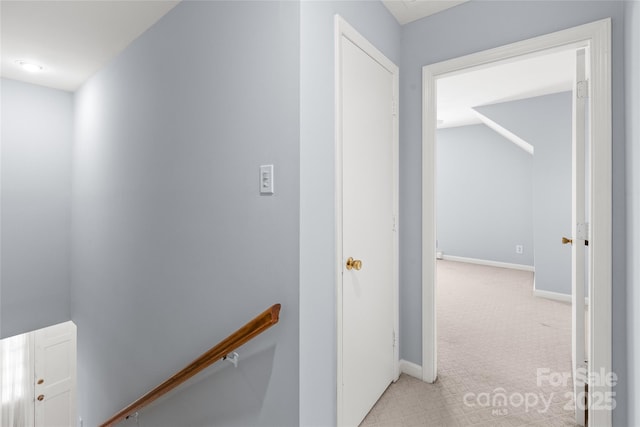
<point>255,327</point>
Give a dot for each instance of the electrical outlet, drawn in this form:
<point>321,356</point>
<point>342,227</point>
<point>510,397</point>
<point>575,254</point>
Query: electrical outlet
<point>519,249</point>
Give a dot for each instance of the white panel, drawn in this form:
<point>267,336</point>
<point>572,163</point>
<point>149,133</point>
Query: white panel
<point>56,410</point>
<point>55,376</point>
<point>367,231</point>
<point>366,222</point>
<point>578,246</point>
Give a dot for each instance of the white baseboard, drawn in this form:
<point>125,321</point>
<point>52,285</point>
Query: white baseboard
<point>411,369</point>
<point>489,263</point>
<point>556,296</point>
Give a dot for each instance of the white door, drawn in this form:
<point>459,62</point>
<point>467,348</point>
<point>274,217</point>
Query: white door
<point>368,133</point>
<point>579,235</point>
<point>55,376</point>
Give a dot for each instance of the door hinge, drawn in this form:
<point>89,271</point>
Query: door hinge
<point>393,339</point>
<point>582,89</point>
<point>395,224</point>
<point>394,108</point>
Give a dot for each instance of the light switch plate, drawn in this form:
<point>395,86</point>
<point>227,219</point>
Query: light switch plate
<point>266,179</point>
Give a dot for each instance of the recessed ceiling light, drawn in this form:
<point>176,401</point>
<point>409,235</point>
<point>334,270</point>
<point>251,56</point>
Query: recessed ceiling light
<point>29,66</point>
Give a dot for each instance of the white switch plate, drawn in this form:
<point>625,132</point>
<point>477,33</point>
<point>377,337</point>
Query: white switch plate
<point>266,179</point>
<point>519,249</point>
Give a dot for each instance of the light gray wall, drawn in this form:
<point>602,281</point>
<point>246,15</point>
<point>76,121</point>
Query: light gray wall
<point>484,195</point>
<point>545,123</point>
<point>473,27</point>
<point>317,185</point>
<point>36,186</point>
<point>173,247</point>
<point>632,98</point>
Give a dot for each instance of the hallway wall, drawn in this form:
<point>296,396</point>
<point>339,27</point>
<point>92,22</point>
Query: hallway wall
<point>36,218</point>
<point>173,247</point>
<point>484,196</point>
<point>545,122</point>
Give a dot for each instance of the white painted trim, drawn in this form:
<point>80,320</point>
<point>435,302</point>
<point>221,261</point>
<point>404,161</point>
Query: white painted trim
<point>556,296</point>
<point>342,28</point>
<point>410,368</point>
<point>338,212</point>
<point>596,36</point>
<point>429,319</point>
<point>600,240</point>
<point>501,130</point>
<point>489,263</point>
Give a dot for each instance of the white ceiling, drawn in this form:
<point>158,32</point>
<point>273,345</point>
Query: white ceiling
<point>74,39</point>
<point>70,39</point>
<point>406,11</point>
<point>508,81</point>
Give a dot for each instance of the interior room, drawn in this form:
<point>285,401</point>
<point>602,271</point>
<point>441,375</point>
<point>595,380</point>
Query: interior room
<point>169,170</point>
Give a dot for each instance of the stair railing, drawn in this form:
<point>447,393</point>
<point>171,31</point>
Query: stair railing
<point>253,328</point>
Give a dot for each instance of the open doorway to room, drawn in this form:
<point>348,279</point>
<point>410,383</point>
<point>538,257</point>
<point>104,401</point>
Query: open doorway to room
<point>503,201</point>
<point>38,381</point>
<point>590,201</point>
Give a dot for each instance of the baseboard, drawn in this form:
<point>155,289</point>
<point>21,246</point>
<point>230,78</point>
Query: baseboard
<point>411,369</point>
<point>556,296</point>
<point>488,263</point>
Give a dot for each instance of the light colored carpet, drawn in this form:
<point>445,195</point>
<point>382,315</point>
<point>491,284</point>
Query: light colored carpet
<point>493,336</point>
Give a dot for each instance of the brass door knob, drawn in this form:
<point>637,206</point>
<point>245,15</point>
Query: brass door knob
<point>40,381</point>
<point>354,264</point>
<point>565,241</point>
<point>41,397</point>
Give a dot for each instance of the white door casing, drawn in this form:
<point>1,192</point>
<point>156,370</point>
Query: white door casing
<point>578,233</point>
<point>596,37</point>
<point>366,223</point>
<point>55,376</point>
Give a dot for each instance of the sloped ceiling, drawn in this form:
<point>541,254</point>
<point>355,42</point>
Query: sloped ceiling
<point>506,81</point>
<point>406,11</point>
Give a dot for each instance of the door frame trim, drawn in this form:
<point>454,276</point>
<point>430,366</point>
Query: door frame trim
<point>596,35</point>
<point>342,28</point>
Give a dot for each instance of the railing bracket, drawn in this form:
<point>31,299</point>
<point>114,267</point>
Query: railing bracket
<point>132,415</point>
<point>233,358</point>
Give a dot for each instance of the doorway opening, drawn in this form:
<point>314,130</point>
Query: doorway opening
<point>596,38</point>
<point>503,201</point>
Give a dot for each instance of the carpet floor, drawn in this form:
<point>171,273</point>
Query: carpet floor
<point>504,357</point>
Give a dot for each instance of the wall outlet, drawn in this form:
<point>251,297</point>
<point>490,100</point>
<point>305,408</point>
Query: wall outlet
<point>519,249</point>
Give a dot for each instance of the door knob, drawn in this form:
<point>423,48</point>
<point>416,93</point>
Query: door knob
<point>41,397</point>
<point>40,381</point>
<point>354,263</point>
<point>565,241</point>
